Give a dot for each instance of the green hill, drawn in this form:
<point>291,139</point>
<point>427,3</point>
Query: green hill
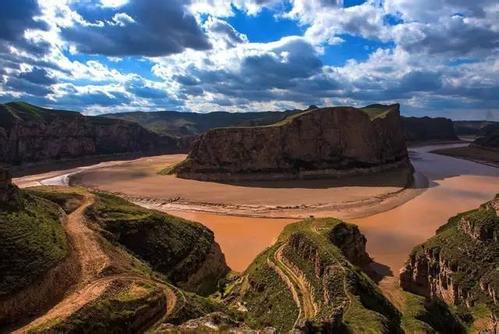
<point>459,265</point>
<point>306,281</point>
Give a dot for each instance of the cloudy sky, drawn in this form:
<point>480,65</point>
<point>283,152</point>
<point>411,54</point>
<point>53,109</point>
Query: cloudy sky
<point>435,57</point>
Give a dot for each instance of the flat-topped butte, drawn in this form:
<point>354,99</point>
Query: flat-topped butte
<point>317,143</point>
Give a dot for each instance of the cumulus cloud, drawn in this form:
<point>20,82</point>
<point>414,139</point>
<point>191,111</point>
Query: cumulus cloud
<point>118,55</point>
<point>138,27</point>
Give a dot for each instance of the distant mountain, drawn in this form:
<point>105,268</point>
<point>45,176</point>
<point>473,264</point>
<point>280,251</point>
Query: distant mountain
<point>489,136</point>
<point>419,129</point>
<point>186,124</point>
<point>472,128</point>
<point>32,134</point>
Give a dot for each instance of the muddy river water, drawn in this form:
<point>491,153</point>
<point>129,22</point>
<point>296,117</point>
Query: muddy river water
<point>450,186</point>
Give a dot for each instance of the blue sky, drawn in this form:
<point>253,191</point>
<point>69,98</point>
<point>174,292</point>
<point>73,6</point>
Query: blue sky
<point>434,57</point>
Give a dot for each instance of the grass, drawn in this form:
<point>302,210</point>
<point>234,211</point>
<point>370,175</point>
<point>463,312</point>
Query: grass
<point>69,199</point>
<point>470,261</point>
<point>425,316</point>
<point>352,296</point>
<point>266,297</point>
<point>172,246</point>
<point>32,241</point>
<point>376,112</point>
<point>123,308</point>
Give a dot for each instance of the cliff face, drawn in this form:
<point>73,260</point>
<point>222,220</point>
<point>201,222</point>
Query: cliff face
<point>459,264</point>
<point>428,129</point>
<point>315,143</point>
<point>307,282</point>
<point>184,251</point>
<point>32,134</point>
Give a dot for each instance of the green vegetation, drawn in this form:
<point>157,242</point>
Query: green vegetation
<point>69,199</point>
<point>376,111</point>
<point>32,241</point>
<point>354,302</point>
<point>266,297</point>
<point>123,308</point>
<point>425,316</point>
<point>172,246</point>
<point>183,124</point>
<point>467,247</point>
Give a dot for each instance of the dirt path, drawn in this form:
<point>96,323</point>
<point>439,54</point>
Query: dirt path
<point>93,261</point>
<point>301,291</point>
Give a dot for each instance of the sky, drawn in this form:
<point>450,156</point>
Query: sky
<point>434,57</point>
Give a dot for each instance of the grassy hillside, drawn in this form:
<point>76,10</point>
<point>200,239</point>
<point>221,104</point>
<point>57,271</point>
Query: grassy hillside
<point>173,246</point>
<point>125,307</point>
<point>332,294</point>
<point>32,241</point>
<point>462,260</point>
<point>184,124</point>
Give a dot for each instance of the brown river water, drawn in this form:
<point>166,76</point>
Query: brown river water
<point>454,185</point>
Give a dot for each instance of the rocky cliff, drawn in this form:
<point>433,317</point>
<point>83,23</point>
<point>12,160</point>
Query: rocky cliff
<point>184,251</point>
<point>307,282</point>
<point>428,129</point>
<point>32,134</point>
<point>327,142</point>
<point>459,264</point>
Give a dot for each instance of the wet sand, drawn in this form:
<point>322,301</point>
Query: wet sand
<point>139,181</point>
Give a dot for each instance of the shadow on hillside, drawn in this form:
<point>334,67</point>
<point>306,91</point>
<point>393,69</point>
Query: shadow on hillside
<point>377,271</point>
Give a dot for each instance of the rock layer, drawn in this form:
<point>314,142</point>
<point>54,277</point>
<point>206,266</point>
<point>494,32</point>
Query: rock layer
<point>32,134</point>
<point>459,264</point>
<point>327,142</point>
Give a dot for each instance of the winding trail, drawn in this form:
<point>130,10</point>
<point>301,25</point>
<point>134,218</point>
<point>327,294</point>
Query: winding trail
<point>300,290</point>
<point>93,282</point>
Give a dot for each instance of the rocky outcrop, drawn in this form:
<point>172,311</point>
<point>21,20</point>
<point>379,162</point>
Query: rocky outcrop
<point>327,142</point>
<point>489,138</point>
<point>184,251</point>
<point>32,134</point>
<point>459,264</point>
<point>309,285</point>
<point>428,129</point>
<point>351,242</point>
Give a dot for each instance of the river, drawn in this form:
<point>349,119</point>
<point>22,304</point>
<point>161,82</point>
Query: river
<point>454,186</point>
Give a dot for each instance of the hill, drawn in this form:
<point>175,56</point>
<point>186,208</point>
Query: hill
<point>32,134</point>
<point>471,128</point>
<point>327,142</point>
<point>307,281</point>
<point>188,124</point>
<point>489,137</point>
<point>459,265</point>
<point>420,129</point>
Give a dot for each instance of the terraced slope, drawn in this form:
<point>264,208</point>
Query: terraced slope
<point>184,251</point>
<point>34,251</point>
<point>305,281</point>
<point>113,291</point>
<point>459,266</point>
